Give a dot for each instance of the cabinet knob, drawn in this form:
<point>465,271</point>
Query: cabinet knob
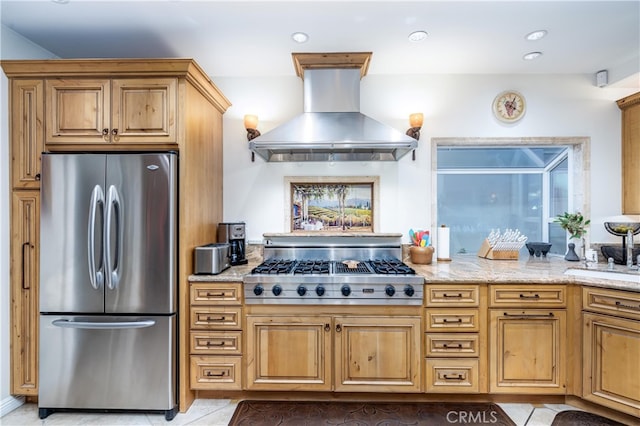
<point>105,132</point>
<point>114,132</point>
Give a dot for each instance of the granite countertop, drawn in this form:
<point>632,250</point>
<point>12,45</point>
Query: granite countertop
<point>469,268</point>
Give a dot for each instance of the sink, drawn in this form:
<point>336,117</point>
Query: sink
<point>631,276</point>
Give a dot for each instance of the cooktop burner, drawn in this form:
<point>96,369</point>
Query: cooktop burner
<point>274,266</point>
<point>312,267</point>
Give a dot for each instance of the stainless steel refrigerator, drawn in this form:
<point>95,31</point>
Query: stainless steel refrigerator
<point>108,292</point>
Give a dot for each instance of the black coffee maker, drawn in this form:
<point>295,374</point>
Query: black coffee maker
<point>234,234</point>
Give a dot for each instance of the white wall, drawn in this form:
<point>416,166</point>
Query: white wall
<point>453,105</point>
<point>12,46</point>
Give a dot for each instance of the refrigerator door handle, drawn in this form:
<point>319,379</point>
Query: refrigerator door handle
<point>96,277</point>
<point>114,207</point>
<point>103,325</point>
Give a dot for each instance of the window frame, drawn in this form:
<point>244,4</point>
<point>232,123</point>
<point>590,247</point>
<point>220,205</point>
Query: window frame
<point>578,168</point>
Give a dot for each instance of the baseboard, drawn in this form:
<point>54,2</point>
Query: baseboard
<point>9,404</point>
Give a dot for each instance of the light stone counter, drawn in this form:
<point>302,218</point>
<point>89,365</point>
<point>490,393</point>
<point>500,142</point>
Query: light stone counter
<point>469,268</point>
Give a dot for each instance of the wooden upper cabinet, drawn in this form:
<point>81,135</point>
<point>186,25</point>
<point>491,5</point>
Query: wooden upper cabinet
<point>630,107</point>
<point>27,132</point>
<point>111,111</point>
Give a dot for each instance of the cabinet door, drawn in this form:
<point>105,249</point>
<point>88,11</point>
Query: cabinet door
<point>25,242</point>
<point>78,111</point>
<point>288,352</point>
<point>527,351</point>
<point>630,153</point>
<point>27,132</point>
<point>377,354</point>
<point>144,111</point>
<point>611,376</point>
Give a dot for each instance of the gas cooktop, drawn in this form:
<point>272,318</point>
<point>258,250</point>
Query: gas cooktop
<point>333,271</point>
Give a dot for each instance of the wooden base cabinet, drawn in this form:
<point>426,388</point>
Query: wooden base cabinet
<point>611,349</point>
<point>215,336</point>
<point>454,330</point>
<point>329,352</point>
<point>527,351</point>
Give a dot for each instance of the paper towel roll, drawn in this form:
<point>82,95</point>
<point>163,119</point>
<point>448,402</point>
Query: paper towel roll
<point>443,243</point>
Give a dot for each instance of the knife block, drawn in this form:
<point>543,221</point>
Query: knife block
<point>487,252</point>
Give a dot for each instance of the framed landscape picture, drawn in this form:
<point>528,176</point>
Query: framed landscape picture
<point>332,204</point>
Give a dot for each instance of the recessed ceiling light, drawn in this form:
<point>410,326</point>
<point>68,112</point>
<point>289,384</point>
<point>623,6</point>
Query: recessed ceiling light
<point>60,1</point>
<point>418,35</point>
<point>531,56</point>
<point>299,37</point>
<point>536,35</point>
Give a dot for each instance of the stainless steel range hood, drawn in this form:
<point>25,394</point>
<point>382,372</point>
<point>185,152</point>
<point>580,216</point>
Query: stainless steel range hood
<point>331,128</point>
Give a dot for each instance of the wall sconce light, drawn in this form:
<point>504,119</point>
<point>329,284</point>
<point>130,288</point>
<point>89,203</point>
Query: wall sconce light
<point>251,124</point>
<point>415,122</point>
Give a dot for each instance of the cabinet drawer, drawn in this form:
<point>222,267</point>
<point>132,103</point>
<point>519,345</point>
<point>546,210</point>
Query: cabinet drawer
<point>452,345</point>
<point>549,296</point>
<point>216,317</point>
<point>449,295</point>
<point>216,372</point>
<point>215,294</point>
<point>614,302</point>
<point>452,375</point>
<point>444,319</point>
<point>216,342</point>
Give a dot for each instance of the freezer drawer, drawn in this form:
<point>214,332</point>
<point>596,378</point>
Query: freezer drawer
<point>107,362</point>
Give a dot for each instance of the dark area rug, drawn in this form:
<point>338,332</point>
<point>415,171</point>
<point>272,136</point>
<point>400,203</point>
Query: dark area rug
<point>582,418</point>
<point>304,413</point>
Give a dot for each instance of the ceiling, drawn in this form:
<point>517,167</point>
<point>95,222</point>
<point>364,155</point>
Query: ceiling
<point>238,38</point>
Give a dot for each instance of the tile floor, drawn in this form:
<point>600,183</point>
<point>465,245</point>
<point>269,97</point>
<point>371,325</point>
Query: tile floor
<point>218,412</point>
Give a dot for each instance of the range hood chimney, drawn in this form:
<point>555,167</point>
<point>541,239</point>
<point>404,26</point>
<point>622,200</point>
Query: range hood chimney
<point>331,128</point>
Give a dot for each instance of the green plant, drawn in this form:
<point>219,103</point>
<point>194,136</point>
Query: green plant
<point>574,223</point>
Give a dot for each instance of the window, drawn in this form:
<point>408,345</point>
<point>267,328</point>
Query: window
<point>481,188</point>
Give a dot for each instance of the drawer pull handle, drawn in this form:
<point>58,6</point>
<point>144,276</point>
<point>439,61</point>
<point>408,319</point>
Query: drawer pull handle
<point>523,315</point>
<point>459,295</point>
<point>327,327</point>
<point>447,346</point>
<point>458,320</point>
<point>535,296</point>
<point>223,294</point>
<point>453,377</point>
<point>209,343</point>
<point>622,305</point>
<point>216,318</point>
<point>338,328</point>
<point>210,374</point>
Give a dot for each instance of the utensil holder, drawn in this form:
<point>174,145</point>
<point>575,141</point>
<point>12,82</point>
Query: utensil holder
<point>421,255</point>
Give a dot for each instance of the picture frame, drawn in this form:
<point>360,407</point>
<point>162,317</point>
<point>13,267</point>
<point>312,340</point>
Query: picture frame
<point>334,204</point>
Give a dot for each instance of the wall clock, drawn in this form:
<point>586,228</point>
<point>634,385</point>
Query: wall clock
<point>509,106</point>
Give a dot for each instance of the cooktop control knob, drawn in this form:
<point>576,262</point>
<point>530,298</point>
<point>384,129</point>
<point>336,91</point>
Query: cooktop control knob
<point>345,290</point>
<point>258,290</point>
<point>277,290</point>
<point>302,290</point>
<point>320,290</point>
<point>390,290</point>
<point>409,291</point>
